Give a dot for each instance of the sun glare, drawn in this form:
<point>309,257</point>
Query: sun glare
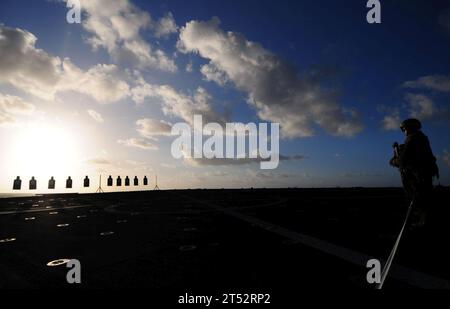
<point>43,151</point>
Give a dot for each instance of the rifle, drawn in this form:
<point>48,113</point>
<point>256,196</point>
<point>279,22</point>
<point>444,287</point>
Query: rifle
<point>395,160</point>
<point>396,147</point>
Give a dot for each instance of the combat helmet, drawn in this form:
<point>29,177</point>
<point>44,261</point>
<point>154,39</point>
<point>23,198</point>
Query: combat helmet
<point>411,124</point>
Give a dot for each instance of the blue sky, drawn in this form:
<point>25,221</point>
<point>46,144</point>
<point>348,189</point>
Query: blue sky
<point>368,76</point>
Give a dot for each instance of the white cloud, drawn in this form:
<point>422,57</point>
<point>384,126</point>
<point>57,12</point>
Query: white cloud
<point>26,67</point>
<point>95,115</point>
<point>166,26</point>
<point>102,164</point>
<point>421,106</point>
<point>140,143</point>
<point>275,89</point>
<point>391,122</point>
<point>5,118</point>
<point>135,163</point>
<point>102,82</point>
<point>418,106</point>
<point>34,71</point>
<point>98,161</point>
<point>434,82</point>
<point>150,128</point>
<point>212,73</point>
<point>169,166</point>
<point>117,25</point>
<point>177,104</point>
<point>12,106</point>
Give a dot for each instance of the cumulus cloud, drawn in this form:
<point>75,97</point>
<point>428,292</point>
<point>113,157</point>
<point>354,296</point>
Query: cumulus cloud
<point>166,26</point>
<point>277,91</point>
<point>391,122</point>
<point>140,143</point>
<point>421,106</point>
<point>26,67</point>
<point>433,82</point>
<point>34,71</point>
<point>98,161</point>
<point>12,106</point>
<point>178,104</point>
<point>418,106</point>
<point>212,73</point>
<point>150,128</point>
<point>117,26</point>
<point>102,82</point>
<point>135,163</point>
<point>95,115</point>
<point>391,119</point>
<point>102,164</point>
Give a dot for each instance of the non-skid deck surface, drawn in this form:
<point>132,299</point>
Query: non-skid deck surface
<point>220,238</point>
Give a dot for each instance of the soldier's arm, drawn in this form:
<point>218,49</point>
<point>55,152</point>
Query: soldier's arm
<point>405,154</point>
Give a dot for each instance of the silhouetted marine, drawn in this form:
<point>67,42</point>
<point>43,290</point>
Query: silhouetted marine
<point>119,181</point>
<point>145,181</point>
<point>417,166</point>
<point>127,181</point>
<point>136,181</point>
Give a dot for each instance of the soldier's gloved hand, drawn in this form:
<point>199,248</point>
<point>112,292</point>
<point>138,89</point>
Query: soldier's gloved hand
<point>393,162</point>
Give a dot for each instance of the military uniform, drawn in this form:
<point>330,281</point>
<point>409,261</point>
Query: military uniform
<point>417,166</point>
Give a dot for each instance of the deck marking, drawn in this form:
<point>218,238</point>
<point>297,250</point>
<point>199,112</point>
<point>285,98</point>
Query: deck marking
<point>12,212</point>
<point>401,273</point>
